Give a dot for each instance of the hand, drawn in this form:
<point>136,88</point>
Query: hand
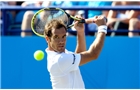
<point>79,26</point>
<point>99,20</point>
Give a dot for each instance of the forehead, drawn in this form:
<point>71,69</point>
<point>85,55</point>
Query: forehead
<point>60,31</point>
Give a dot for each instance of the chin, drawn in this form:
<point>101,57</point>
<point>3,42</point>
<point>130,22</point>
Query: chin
<point>60,51</point>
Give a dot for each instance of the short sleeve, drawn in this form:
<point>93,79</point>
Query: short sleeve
<point>69,62</point>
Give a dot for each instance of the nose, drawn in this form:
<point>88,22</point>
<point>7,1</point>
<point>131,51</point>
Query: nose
<point>61,41</point>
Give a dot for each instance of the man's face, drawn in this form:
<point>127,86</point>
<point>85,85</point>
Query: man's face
<point>57,41</point>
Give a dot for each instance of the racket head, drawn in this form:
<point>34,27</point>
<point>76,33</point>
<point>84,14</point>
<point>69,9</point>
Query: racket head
<point>42,17</point>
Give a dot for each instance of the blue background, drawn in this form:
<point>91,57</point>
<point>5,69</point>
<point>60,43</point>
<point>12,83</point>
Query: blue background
<point>118,66</point>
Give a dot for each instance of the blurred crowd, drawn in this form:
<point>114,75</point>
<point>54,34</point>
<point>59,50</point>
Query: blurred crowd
<point>117,20</point>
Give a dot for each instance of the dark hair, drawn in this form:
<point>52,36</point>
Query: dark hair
<point>56,24</point>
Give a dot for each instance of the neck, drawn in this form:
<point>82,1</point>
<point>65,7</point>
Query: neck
<point>50,48</point>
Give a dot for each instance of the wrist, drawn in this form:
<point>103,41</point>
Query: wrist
<point>102,28</point>
<point>81,33</point>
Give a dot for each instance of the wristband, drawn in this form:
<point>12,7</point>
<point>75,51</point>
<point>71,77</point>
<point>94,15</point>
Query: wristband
<point>102,28</point>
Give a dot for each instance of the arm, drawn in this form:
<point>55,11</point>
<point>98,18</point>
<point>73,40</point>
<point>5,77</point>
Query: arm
<point>95,48</point>
<point>81,42</point>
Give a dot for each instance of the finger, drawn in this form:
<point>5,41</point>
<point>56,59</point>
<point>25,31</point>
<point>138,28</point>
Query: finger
<point>80,24</point>
<point>91,20</point>
<point>76,23</point>
<point>103,17</point>
<point>95,19</point>
<point>79,17</point>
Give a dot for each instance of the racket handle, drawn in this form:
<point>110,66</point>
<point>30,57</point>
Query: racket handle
<point>82,21</point>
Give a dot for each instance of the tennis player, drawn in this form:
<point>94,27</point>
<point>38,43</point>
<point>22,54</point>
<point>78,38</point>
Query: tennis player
<point>63,65</point>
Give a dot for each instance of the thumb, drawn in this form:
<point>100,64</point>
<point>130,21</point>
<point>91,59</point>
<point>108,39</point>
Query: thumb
<point>76,23</point>
<point>91,20</point>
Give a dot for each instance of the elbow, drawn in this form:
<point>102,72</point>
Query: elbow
<point>94,57</point>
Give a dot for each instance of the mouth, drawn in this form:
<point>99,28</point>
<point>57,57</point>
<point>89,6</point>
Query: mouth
<point>61,46</point>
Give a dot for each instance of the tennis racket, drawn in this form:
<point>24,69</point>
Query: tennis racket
<point>45,15</point>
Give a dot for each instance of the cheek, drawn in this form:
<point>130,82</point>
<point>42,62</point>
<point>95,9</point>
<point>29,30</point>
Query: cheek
<point>53,43</point>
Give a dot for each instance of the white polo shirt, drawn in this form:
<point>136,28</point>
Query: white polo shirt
<point>64,70</point>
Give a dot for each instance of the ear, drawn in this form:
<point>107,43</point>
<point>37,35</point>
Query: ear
<point>47,39</point>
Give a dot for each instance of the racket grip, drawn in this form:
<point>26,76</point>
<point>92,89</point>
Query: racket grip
<point>82,21</point>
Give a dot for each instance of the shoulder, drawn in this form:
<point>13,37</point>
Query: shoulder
<point>67,55</point>
<point>67,51</point>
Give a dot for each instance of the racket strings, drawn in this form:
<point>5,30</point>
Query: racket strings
<point>44,17</point>
<point>40,27</point>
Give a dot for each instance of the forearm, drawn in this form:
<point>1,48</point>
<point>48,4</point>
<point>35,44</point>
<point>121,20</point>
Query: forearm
<point>81,43</point>
<point>97,45</point>
<point>94,50</point>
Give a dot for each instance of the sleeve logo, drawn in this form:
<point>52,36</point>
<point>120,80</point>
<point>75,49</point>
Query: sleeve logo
<point>73,58</point>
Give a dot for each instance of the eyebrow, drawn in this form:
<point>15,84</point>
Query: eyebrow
<point>65,35</point>
<point>58,35</point>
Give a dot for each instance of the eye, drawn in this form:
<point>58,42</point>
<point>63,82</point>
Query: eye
<point>64,36</point>
<point>56,37</point>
